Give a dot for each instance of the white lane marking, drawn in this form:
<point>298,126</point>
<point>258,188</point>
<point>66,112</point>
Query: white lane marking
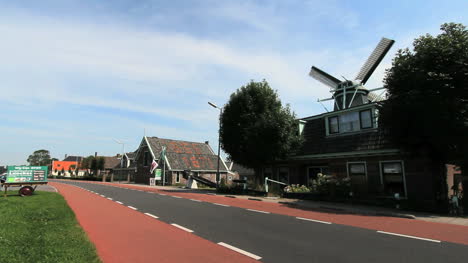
<point>132,207</point>
<point>221,205</point>
<point>195,200</point>
<point>253,210</point>
<point>153,216</point>
<point>401,235</point>
<point>118,202</point>
<point>312,220</point>
<point>183,228</point>
<point>103,195</point>
<point>176,196</point>
<point>238,250</point>
<point>162,194</point>
<point>109,198</point>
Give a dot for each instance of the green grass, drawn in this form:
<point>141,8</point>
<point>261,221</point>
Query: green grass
<point>41,228</point>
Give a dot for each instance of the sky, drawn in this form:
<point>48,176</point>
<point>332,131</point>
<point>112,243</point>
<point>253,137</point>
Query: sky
<point>76,75</point>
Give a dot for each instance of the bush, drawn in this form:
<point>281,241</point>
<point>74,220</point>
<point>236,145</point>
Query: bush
<point>331,185</point>
<point>295,188</point>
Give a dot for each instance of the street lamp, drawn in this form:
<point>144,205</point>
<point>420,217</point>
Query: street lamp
<point>218,177</point>
<point>121,157</point>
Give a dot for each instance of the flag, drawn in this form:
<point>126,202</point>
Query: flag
<point>154,165</point>
<point>163,154</point>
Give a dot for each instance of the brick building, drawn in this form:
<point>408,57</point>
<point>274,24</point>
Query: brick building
<point>196,157</point>
<point>348,143</point>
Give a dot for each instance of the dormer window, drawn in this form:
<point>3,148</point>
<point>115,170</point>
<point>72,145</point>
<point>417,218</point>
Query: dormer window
<point>350,121</point>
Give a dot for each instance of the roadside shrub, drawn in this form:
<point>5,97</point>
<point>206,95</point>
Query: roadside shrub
<point>331,185</point>
<point>295,188</point>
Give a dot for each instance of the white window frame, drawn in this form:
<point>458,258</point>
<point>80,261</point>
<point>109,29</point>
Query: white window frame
<point>402,171</point>
<point>357,162</point>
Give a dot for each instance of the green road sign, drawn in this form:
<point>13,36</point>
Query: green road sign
<point>26,174</point>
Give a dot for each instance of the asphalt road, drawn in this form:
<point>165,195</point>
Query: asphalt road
<point>280,238</point>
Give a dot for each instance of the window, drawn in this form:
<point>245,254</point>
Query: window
<point>333,125</point>
<point>393,178</point>
<point>146,159</point>
<point>283,175</point>
<point>349,122</point>
<point>352,121</point>
<point>177,178</point>
<point>357,169</point>
<point>366,119</point>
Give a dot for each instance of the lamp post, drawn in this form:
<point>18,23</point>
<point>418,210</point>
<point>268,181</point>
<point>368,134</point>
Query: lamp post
<point>121,157</point>
<point>218,177</point>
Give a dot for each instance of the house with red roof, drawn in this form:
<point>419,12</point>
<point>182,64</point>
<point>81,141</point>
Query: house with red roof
<point>183,159</point>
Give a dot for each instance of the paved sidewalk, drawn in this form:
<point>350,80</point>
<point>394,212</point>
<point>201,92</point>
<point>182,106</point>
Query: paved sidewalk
<point>121,234</point>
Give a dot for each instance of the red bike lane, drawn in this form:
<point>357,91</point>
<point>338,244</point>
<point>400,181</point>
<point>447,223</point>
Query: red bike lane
<point>411,227</point>
<point>121,234</point>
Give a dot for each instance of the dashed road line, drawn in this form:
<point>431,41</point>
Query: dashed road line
<point>183,228</point>
<point>162,194</point>
<point>176,196</point>
<point>401,235</point>
<point>118,202</point>
<point>313,220</point>
<point>258,211</point>
<point>195,200</point>
<point>109,198</point>
<point>221,205</point>
<point>238,250</point>
<point>153,216</point>
<point>134,208</point>
<point>103,195</point>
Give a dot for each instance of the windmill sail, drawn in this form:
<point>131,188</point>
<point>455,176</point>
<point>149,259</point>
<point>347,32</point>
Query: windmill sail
<point>324,77</point>
<point>375,58</point>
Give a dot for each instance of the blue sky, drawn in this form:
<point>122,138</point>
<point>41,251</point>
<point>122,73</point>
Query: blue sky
<point>76,74</point>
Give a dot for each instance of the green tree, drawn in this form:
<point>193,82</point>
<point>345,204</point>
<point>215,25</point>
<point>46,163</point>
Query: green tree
<point>40,158</point>
<point>255,128</point>
<point>100,162</point>
<point>86,162</point>
<point>426,109</point>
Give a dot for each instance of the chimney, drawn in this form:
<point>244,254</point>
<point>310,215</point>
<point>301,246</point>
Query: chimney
<point>207,142</point>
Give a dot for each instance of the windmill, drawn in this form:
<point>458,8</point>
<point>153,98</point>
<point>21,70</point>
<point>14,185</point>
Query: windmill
<point>349,93</point>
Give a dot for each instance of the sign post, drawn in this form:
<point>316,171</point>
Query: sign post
<point>25,177</point>
<point>26,174</point>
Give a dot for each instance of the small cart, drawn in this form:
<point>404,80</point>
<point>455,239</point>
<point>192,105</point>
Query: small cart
<point>25,177</point>
<point>26,189</point>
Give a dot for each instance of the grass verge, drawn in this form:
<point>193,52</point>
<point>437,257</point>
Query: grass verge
<point>41,228</point>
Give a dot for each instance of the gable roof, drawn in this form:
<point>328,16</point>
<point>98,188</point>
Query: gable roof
<point>73,159</point>
<point>131,155</point>
<point>111,162</point>
<point>185,155</point>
